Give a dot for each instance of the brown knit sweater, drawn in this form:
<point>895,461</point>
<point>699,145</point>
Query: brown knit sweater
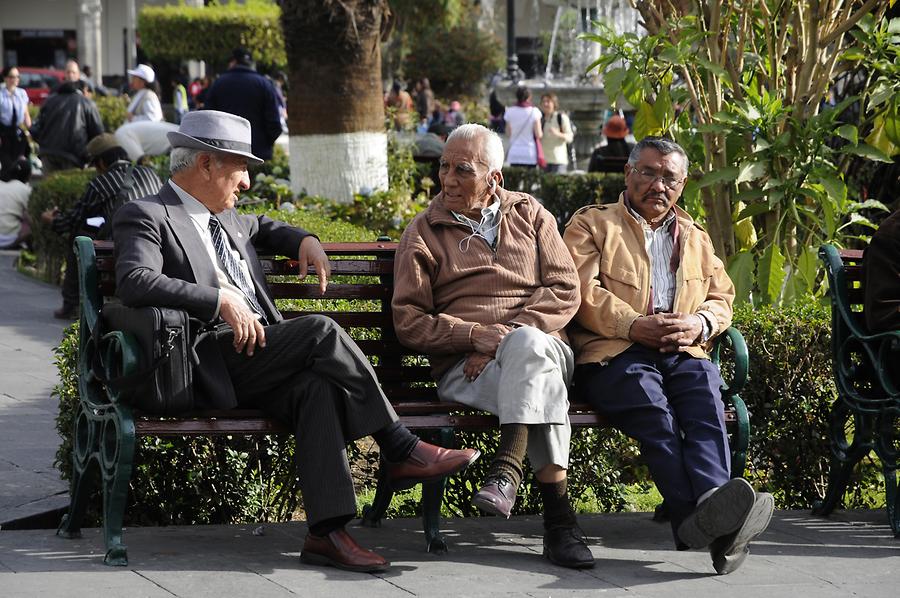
<point>442,293</point>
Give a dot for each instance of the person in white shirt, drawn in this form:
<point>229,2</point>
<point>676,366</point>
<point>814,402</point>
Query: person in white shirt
<point>145,104</point>
<point>14,226</point>
<point>145,138</point>
<point>523,128</point>
<point>557,133</point>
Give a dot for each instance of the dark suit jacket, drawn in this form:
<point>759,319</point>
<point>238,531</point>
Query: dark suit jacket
<point>161,261</point>
<point>882,277</point>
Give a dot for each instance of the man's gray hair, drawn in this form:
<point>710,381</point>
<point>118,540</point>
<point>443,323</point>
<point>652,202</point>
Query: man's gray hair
<point>660,144</point>
<point>493,145</point>
<point>183,158</point>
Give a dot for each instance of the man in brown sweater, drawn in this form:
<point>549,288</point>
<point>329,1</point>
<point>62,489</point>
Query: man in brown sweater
<point>484,285</point>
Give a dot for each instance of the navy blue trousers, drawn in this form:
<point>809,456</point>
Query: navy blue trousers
<point>671,404</point>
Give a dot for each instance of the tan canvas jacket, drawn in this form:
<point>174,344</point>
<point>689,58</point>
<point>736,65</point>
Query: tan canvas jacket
<point>607,245</point>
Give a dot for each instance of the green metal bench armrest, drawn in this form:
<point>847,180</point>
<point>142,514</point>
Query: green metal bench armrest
<point>732,337</point>
<point>852,342</point>
<point>120,356</point>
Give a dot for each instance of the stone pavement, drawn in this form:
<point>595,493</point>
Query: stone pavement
<point>852,554</point>
<point>29,484</point>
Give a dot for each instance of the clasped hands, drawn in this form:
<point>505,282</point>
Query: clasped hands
<point>249,332</point>
<point>486,339</point>
<point>668,332</point>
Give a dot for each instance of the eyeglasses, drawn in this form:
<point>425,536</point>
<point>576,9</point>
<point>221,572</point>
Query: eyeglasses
<point>649,177</point>
<point>12,77</point>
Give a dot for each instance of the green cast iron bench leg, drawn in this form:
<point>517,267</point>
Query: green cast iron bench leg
<point>844,455</point>
<point>886,448</point>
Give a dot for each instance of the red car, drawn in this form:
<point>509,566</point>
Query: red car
<point>38,83</point>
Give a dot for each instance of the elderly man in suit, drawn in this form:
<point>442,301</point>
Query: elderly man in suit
<point>188,248</point>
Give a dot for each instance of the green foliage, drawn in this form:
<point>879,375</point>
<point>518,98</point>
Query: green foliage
<point>767,147</point>
<point>414,19</point>
<point>789,395</point>
<point>562,194</point>
<point>61,189</point>
<point>177,32</point>
<point>456,60</point>
<point>113,111</point>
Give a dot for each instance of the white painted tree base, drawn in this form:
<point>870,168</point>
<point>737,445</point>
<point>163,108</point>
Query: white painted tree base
<point>338,166</point>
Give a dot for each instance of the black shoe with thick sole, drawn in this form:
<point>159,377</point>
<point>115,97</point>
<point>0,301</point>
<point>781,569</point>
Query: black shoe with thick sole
<point>565,546</point>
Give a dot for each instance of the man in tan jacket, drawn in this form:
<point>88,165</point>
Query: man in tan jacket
<point>654,295</point>
<point>484,285</point>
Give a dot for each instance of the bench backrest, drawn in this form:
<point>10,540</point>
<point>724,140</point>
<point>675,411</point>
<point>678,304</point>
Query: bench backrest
<point>362,282</point>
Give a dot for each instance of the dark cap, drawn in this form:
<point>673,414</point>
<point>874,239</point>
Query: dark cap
<point>241,56</point>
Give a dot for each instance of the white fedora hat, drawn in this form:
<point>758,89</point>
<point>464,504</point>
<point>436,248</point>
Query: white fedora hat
<point>142,71</point>
<point>214,131</point>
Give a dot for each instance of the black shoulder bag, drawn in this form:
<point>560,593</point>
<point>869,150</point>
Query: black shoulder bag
<point>166,340</point>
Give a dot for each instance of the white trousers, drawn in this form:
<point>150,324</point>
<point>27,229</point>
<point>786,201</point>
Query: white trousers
<point>526,383</point>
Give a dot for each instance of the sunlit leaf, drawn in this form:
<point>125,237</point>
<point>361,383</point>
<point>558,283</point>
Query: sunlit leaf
<point>771,274</point>
<point>740,270</point>
<point>848,132</point>
<point>834,188</point>
<point>867,151</point>
<point>645,121</point>
<point>750,171</point>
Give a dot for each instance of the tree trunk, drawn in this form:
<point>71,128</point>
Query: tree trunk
<point>338,144</point>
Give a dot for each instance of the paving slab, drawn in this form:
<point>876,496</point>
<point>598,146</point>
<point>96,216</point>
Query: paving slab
<point>851,554</point>
<point>29,485</point>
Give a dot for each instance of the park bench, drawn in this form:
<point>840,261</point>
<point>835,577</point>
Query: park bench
<point>105,430</point>
<point>866,415</point>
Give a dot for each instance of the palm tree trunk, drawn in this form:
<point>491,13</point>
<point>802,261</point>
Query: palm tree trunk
<point>338,144</point>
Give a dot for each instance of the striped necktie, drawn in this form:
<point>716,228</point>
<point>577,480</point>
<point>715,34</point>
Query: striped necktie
<point>232,268</point>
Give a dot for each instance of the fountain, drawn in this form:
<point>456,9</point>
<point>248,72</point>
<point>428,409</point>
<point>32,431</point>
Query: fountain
<point>580,94</point>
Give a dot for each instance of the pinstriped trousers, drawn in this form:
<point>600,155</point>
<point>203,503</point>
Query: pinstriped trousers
<point>312,376</point>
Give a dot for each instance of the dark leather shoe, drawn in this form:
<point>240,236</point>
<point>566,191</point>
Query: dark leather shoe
<point>428,463</point>
<point>720,514</point>
<point>339,549</point>
<point>66,313</point>
<point>565,546</point>
<point>728,552</point>
<point>497,496</point>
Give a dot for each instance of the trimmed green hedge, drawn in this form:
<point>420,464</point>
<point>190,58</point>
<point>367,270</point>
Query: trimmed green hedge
<point>113,111</point>
<point>61,189</point>
<point>563,194</point>
<point>210,33</point>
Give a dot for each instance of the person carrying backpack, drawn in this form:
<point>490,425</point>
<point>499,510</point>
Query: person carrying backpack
<point>558,134</point>
<point>118,181</point>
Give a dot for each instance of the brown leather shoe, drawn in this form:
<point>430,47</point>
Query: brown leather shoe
<point>339,549</point>
<point>497,496</point>
<point>427,463</point>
